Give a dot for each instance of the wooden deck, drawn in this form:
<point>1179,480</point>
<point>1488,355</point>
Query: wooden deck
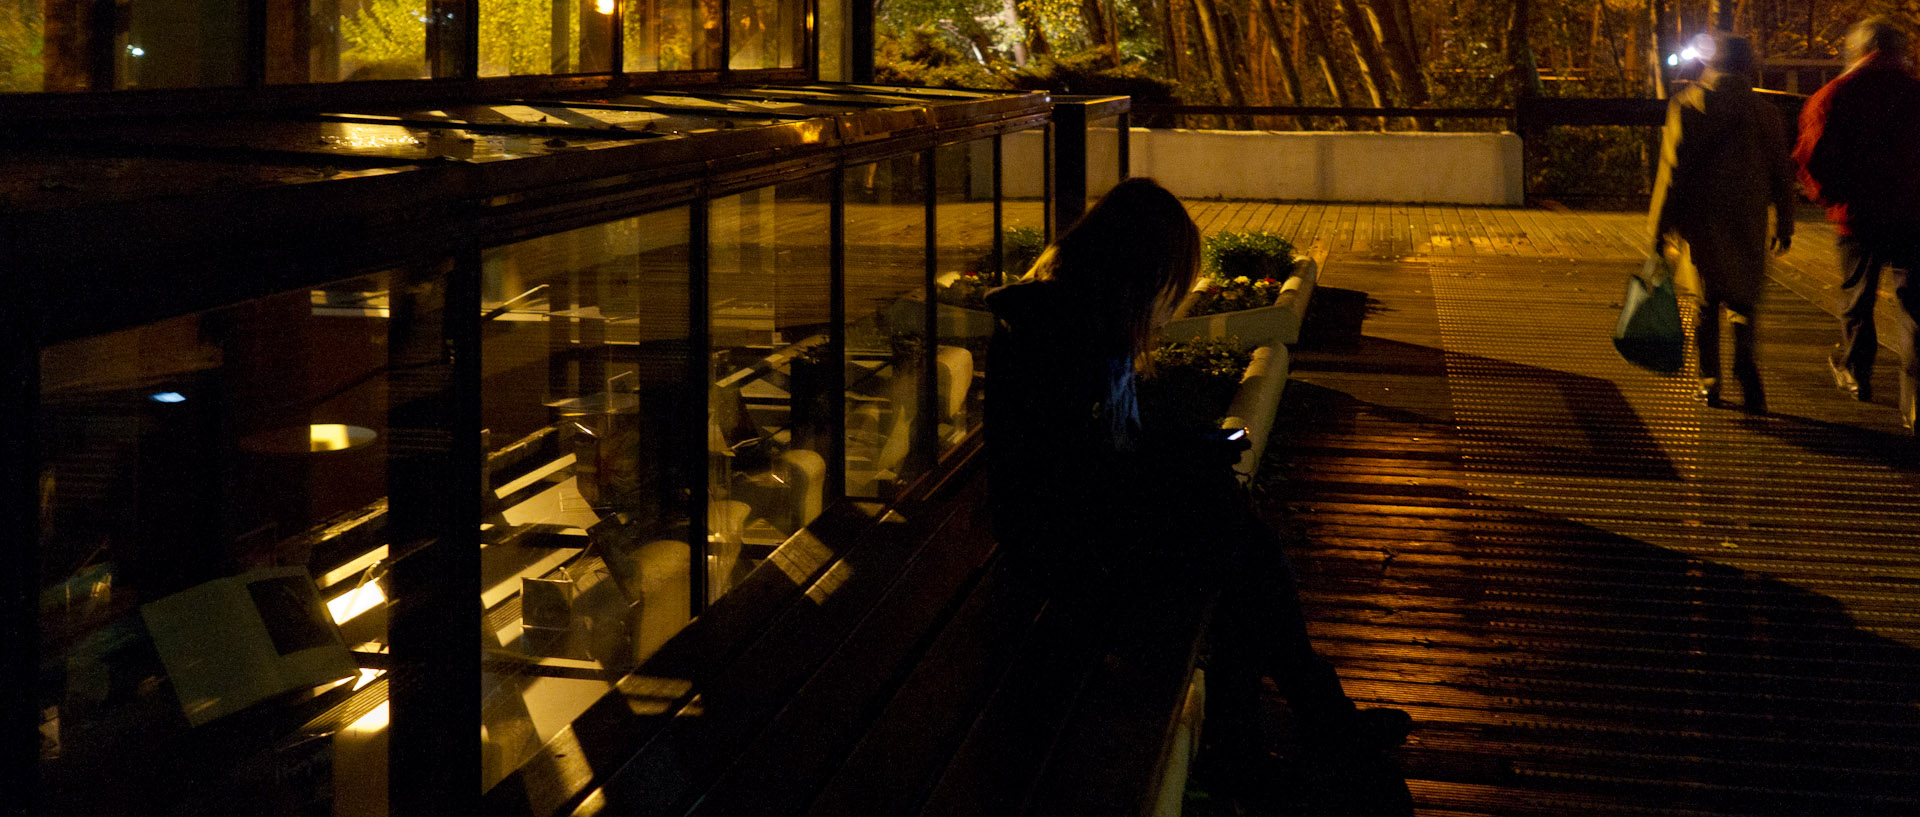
<point>1595,596</point>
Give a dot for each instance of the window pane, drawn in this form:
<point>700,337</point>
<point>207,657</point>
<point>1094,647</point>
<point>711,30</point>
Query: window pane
<point>1103,157</point>
<point>886,263</point>
<point>768,33</point>
<point>335,40</point>
<point>215,545</point>
<point>671,35</point>
<point>583,396</point>
<point>1023,206</point>
<point>966,269</point>
<point>545,36</point>
<point>770,410</point>
<point>23,56</point>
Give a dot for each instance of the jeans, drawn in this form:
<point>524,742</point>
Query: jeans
<point>1862,263</point>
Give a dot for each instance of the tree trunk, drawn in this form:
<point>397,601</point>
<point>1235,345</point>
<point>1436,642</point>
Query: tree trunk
<point>1172,43</point>
<point>1010,13</point>
<point>1656,56</point>
<point>1036,38</point>
<point>1374,77</point>
<point>1279,47</point>
<point>1403,54</point>
<point>1099,33</point>
<point>1223,78</point>
<point>1524,74</point>
<point>1332,69</point>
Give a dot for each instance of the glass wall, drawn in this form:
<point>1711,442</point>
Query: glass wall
<point>669,35</point>
<point>885,293</point>
<point>80,45</point>
<point>966,267</point>
<point>215,493</point>
<point>1024,172</point>
<point>585,556</point>
<point>768,34</point>
<point>336,40</point>
<point>774,369</point>
<point>545,36</point>
<point>1103,157</point>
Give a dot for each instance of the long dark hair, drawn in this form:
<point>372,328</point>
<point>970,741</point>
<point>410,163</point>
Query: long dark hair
<point>1134,251</point>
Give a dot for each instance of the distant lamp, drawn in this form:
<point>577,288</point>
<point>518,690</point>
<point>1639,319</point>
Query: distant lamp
<point>603,6</point>
<point>1673,59</point>
<point>136,51</point>
<point>167,397</point>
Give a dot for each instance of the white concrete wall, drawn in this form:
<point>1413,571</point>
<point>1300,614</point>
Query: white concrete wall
<point>1458,168</point>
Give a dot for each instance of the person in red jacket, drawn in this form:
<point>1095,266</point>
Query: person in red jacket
<point>1859,155</point>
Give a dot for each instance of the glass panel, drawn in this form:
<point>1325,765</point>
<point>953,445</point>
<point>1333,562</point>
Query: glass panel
<point>1103,157</point>
<point>1023,205</point>
<point>583,396</point>
<point>768,33</point>
<point>335,40</point>
<point>216,489</point>
<point>886,275</point>
<point>770,411</point>
<point>671,35</point>
<point>545,36</point>
<point>966,269</point>
<point>24,56</point>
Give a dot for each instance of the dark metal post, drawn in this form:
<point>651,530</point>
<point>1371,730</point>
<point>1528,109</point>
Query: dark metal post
<point>1069,164</point>
<point>19,570</point>
<point>837,333</point>
<point>860,40</point>
<point>927,429</point>
<point>1125,123</point>
<point>434,472</point>
<point>999,225</point>
<point>700,392</point>
<point>453,38</point>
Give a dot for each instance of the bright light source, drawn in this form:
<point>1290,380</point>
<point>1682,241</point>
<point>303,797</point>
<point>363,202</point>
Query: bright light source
<point>346,606</point>
<point>1673,59</point>
<point>372,721</point>
<point>337,437</point>
<point>604,6</point>
<point>167,397</point>
<point>1690,53</point>
<point>136,51</point>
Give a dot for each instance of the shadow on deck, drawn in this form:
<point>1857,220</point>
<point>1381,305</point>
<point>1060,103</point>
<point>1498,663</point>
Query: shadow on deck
<point>1594,595</point>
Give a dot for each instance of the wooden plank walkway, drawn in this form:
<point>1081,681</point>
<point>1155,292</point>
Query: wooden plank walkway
<point>1595,596</point>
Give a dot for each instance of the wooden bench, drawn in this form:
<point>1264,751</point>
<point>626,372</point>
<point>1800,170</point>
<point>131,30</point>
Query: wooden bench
<point>925,671</point>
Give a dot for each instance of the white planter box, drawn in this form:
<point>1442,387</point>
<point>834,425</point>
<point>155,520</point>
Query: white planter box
<point>1276,324</point>
<point>1257,402</point>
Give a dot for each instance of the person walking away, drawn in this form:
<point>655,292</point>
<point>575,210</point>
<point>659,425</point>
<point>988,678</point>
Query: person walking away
<point>1110,509</point>
<point>1859,156</point>
<point>1723,165</point>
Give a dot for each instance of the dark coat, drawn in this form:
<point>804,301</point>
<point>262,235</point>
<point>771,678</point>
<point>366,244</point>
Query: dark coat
<point>1859,149</point>
<point>1723,164</point>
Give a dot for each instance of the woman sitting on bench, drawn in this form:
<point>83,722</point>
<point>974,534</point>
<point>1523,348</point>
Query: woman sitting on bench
<point>1079,486</point>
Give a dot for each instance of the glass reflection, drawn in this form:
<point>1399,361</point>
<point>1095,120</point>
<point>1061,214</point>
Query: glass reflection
<point>585,561</point>
<point>767,33</point>
<point>215,490</point>
<point>966,267</point>
<point>336,40</point>
<point>770,418</point>
<point>1103,157</point>
<point>544,37</point>
<point>885,286</point>
<point>670,35</point>
<point>1023,205</point>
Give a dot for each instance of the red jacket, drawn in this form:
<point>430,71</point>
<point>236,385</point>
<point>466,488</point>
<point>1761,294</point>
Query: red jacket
<point>1859,149</point>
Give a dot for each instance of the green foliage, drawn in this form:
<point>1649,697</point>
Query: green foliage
<point>386,31</point>
<point>1021,246</point>
<point>1599,165</point>
<point>926,57</point>
<point>21,44</point>
<point>1093,72</point>
<point>1245,253</point>
<point>1191,383</point>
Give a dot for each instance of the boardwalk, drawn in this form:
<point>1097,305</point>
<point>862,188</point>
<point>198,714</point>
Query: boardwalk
<point>1596,596</point>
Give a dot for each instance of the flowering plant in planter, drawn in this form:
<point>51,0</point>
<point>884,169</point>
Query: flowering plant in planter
<point>968,290</point>
<point>1242,271</point>
<point>1191,383</point>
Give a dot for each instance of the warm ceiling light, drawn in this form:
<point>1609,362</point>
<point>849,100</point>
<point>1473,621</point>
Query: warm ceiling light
<point>604,6</point>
